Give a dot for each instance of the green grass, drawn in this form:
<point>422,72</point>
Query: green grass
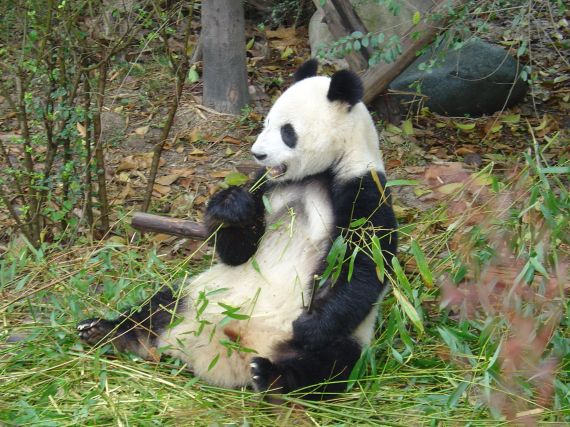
<point>427,366</point>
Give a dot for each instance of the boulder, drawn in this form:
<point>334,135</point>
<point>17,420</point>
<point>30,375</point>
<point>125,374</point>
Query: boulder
<point>479,78</point>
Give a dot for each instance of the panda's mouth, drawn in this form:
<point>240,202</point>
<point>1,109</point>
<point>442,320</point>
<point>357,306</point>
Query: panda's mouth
<point>276,171</point>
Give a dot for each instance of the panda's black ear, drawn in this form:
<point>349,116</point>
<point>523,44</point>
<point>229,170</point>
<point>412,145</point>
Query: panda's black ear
<point>306,70</point>
<point>345,86</point>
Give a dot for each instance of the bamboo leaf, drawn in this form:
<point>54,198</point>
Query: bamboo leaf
<point>236,179</point>
<point>456,395</point>
<point>409,309</point>
<point>214,361</point>
<point>408,127</point>
<point>467,127</point>
<point>378,258</point>
<point>422,263</point>
<point>401,182</point>
<point>351,263</point>
<point>416,18</point>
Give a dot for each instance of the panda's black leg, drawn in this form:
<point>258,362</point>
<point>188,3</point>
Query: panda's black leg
<point>96,330</point>
<point>135,330</point>
<point>122,333</point>
<point>307,369</point>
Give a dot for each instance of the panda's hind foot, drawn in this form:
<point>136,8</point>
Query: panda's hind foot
<point>95,330</point>
<point>265,375</point>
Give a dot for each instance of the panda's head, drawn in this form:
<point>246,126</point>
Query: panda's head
<point>315,125</point>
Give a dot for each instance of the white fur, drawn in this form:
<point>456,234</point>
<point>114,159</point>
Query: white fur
<point>274,287</point>
<point>327,133</point>
<point>272,297</point>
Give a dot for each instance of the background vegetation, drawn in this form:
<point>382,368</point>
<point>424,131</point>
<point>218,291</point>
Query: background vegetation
<point>476,330</point>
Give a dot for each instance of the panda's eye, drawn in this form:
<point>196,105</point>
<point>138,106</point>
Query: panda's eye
<point>289,135</point>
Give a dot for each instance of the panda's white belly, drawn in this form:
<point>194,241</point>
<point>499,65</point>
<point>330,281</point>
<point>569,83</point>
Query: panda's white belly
<point>252,306</point>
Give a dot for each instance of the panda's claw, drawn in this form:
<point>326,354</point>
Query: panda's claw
<point>87,325</point>
<point>92,331</point>
<point>264,374</point>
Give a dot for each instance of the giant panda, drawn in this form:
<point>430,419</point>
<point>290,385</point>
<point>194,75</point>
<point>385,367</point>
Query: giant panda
<point>279,312</point>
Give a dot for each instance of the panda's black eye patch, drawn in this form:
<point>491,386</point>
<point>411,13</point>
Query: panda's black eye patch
<point>289,135</point>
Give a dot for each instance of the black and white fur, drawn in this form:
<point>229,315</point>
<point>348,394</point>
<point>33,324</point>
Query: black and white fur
<point>320,147</point>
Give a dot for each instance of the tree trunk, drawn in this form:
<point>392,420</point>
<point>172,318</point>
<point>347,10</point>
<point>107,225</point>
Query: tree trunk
<point>225,72</point>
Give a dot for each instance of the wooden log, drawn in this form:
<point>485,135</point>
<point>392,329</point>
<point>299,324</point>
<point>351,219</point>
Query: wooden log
<point>172,226</point>
<point>376,79</point>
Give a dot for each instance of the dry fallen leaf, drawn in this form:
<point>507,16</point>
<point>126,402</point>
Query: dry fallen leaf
<point>461,151</point>
<point>185,172</point>
<point>231,140</point>
<point>167,179</point>
<point>185,182</point>
<point>81,130</point>
<point>200,200</point>
<point>197,153</point>
<point>220,174</point>
<point>161,238</point>
<point>137,162</point>
<point>142,131</point>
<point>194,136</point>
<point>159,190</point>
<point>283,38</point>
<point>450,188</point>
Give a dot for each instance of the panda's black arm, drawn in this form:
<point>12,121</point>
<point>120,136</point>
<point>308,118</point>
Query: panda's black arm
<point>236,214</point>
<point>338,309</point>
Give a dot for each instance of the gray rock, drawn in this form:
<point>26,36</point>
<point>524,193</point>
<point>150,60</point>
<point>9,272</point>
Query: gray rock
<point>480,78</point>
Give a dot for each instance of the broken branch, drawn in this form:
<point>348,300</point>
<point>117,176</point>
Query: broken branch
<point>171,226</point>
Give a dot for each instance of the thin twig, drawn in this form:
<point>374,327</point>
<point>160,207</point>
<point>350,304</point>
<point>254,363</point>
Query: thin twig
<point>180,68</point>
<point>99,153</point>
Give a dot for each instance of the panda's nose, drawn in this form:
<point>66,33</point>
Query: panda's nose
<point>259,156</point>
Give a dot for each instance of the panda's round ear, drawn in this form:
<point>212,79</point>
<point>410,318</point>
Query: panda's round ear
<point>306,70</point>
<point>345,86</point>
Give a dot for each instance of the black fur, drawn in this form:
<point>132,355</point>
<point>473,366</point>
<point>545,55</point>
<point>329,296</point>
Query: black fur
<point>241,217</point>
<point>345,86</point>
<point>306,70</point>
<point>339,308</point>
<point>289,135</point>
<point>296,368</point>
<point>321,347</point>
<point>134,330</point>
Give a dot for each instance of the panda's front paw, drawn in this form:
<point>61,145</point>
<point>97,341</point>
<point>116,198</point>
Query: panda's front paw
<point>265,375</point>
<point>234,206</point>
<point>93,331</point>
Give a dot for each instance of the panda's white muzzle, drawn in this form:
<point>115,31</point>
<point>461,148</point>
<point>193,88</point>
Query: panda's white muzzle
<point>270,152</point>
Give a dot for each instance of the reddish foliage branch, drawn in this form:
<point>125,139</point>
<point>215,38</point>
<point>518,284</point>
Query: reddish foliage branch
<point>527,314</point>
